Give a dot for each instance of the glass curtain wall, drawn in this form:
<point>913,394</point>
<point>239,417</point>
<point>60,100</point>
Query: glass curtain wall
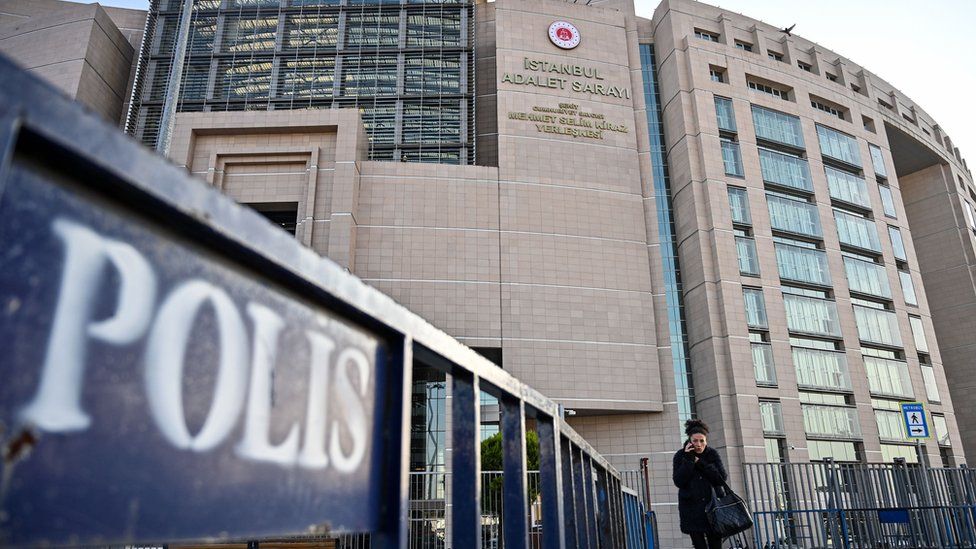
<point>408,68</point>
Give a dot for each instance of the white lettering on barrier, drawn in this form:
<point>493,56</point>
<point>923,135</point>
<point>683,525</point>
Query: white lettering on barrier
<point>56,405</point>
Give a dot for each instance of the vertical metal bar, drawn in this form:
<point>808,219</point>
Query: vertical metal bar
<point>603,511</point>
<point>392,533</point>
<point>550,473</point>
<point>589,492</point>
<point>569,511</point>
<point>466,461</point>
<point>516,511</point>
<point>579,496</point>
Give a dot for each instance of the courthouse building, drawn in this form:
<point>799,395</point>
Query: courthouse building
<point>646,220</point>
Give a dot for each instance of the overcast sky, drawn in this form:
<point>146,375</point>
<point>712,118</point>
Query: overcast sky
<point>925,49</point>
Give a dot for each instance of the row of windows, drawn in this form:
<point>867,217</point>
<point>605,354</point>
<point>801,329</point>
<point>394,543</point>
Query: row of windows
<point>710,36</point>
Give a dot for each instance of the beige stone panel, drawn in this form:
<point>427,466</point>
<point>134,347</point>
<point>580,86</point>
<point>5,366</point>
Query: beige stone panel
<point>574,261</point>
<point>587,375</point>
<point>605,84</point>
<point>534,160</point>
<point>63,75</point>
<point>574,314</point>
<point>427,254</point>
<point>620,435</point>
<point>525,25</point>
<point>462,309</point>
<point>94,93</point>
<point>320,236</point>
<point>428,202</point>
<point>572,211</point>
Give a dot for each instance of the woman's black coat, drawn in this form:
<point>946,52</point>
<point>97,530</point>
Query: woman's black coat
<point>694,481</point>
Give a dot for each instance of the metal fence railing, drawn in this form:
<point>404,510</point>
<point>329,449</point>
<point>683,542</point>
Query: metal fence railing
<point>856,505</point>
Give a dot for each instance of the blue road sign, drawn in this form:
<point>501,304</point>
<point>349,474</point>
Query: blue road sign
<point>915,423</point>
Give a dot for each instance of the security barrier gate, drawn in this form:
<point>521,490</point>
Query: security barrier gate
<point>861,506</point>
<point>176,368</point>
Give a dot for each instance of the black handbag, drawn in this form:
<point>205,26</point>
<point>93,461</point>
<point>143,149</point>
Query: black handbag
<point>727,515</point>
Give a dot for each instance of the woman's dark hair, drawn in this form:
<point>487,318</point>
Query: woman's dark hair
<point>693,426</point>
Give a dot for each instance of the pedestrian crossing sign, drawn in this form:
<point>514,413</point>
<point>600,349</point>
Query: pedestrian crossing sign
<point>915,423</point>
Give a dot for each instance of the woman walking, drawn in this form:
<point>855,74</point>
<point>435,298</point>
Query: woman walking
<point>697,469</point>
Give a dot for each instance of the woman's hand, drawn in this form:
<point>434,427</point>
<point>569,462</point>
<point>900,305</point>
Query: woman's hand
<point>690,450</point>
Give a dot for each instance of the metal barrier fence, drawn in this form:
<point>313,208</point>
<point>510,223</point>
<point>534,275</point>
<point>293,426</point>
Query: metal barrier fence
<point>153,329</point>
<point>852,505</point>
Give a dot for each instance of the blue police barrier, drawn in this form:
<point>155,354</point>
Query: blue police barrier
<point>177,368</point>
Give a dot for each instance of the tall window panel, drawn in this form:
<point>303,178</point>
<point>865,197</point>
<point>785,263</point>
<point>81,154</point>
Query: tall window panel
<point>732,158</point>
<point>865,277</point>
<point>888,378</point>
<point>847,187</point>
<point>755,308</point>
<point>821,370</point>
<point>777,127</point>
<point>745,247</point>
<point>772,418</point>
<point>831,422</point>
<point>887,201</point>
<point>808,315</point>
<point>739,203</point>
<point>802,264</point>
<point>908,288</point>
<point>784,169</point>
<point>941,430</point>
<point>877,326</point>
<point>794,216</point>
<point>931,386</point>
<point>725,114</point>
<point>897,244</point>
<point>877,161</point>
<point>857,231</point>
<point>838,146</point>
<point>918,333</point>
<point>762,363</point>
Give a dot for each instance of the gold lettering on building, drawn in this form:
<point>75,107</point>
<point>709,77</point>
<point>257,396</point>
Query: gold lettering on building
<point>568,119</point>
<point>560,83</point>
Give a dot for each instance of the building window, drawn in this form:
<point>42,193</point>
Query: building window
<point>801,264</point>
<point>891,426</point>
<point>809,315</point>
<point>831,422</point>
<point>918,333</point>
<point>867,277</point>
<point>838,451</point>
<point>847,187</point>
<point>902,451</point>
<point>838,146</point>
<point>774,56</point>
<point>941,430</point>
<point>868,124</point>
<point>793,216</point>
<point>820,369</point>
<point>755,306</point>
<point>777,127</point>
<point>716,75</point>
<point>725,114</point>
<point>888,378</point>
<point>820,106</point>
<point>887,201</point>
<point>785,169</point>
<point>762,361</point>
<point>897,244</point>
<point>732,158</point>
<point>931,387</point>
<point>281,214</point>
<point>805,66</point>
<point>877,161</point>
<point>771,90</point>
<point>908,288</point>
<point>739,203</point>
<point>855,88</point>
<point>970,215</point>
<point>857,231</point>
<point>877,326</point>
<point>831,77</point>
<point>771,412</point>
<point>748,260</point>
<point>705,35</point>
<point>740,45</point>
